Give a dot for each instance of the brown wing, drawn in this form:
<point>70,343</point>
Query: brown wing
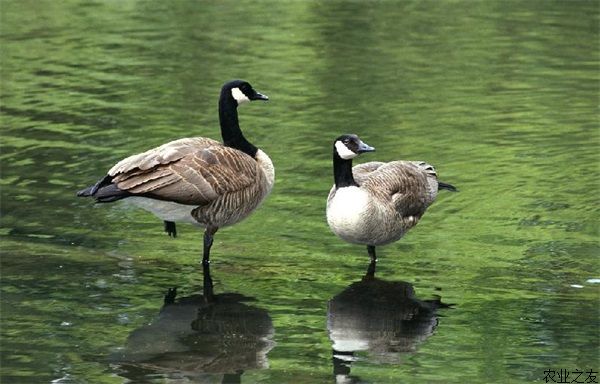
<point>363,171</point>
<point>165,154</point>
<point>404,183</point>
<point>196,178</point>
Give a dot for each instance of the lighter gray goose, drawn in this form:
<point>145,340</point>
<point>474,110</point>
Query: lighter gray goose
<point>376,203</point>
<point>196,180</point>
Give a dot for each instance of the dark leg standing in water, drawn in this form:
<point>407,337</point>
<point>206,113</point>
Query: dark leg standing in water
<point>207,286</point>
<point>170,296</point>
<point>171,228</point>
<point>208,242</point>
<point>233,378</point>
<point>371,269</point>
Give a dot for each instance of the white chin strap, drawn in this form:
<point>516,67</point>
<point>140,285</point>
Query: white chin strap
<point>239,96</point>
<point>343,151</point>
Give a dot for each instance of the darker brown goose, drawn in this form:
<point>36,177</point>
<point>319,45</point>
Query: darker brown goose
<point>196,179</point>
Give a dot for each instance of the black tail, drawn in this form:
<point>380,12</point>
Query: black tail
<point>449,187</point>
<point>104,191</point>
<point>86,192</point>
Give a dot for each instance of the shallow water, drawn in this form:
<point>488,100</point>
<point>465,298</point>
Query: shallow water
<point>501,96</point>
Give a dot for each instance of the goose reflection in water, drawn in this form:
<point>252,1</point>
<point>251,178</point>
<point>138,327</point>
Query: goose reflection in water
<point>199,339</point>
<point>382,318</point>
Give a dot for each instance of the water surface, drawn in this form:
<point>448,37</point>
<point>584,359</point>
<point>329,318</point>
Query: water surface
<point>501,96</point>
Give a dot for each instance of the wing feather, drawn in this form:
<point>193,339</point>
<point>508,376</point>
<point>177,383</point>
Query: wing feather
<point>363,171</point>
<point>165,154</point>
<point>226,169</point>
<point>189,171</point>
<point>152,185</point>
<point>405,183</point>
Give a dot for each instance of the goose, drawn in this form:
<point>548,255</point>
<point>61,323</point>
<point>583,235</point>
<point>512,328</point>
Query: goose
<point>376,203</point>
<point>196,180</point>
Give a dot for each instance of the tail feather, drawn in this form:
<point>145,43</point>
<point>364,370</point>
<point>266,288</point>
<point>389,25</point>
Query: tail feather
<point>447,186</point>
<point>87,192</point>
<point>110,193</point>
<point>104,191</point>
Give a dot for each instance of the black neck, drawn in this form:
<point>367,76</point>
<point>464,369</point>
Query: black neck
<point>342,172</point>
<point>230,126</point>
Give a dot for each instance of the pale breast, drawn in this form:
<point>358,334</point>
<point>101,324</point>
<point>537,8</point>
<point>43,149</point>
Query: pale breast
<point>266,165</point>
<point>346,210</point>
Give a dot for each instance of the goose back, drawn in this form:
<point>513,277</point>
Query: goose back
<point>164,154</point>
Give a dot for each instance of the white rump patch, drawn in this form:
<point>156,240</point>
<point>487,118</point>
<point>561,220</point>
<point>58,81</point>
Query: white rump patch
<point>343,151</point>
<point>239,96</point>
<point>165,210</point>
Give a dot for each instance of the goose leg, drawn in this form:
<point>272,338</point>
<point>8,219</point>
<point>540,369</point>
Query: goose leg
<point>207,286</point>
<point>373,263</point>
<point>170,296</point>
<point>233,378</point>
<point>171,229</point>
<point>208,242</point>
<point>207,281</point>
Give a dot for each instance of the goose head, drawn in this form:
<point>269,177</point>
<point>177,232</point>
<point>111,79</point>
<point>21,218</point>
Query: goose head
<point>241,92</point>
<point>349,146</point>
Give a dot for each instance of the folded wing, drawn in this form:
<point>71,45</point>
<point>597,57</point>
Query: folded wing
<point>189,171</point>
<point>410,185</point>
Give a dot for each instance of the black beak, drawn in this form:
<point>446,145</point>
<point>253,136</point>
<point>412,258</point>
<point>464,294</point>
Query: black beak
<point>260,96</point>
<point>364,147</point>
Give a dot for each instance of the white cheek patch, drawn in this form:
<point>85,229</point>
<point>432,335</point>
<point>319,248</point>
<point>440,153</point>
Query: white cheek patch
<point>343,151</point>
<point>239,96</point>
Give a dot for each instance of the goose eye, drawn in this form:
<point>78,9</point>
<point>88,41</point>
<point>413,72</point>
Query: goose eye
<point>346,141</point>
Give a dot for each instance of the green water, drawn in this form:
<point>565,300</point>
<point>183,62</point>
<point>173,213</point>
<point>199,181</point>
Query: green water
<point>501,96</point>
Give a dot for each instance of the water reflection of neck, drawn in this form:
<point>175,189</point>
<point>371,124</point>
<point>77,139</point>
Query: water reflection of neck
<point>342,362</point>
